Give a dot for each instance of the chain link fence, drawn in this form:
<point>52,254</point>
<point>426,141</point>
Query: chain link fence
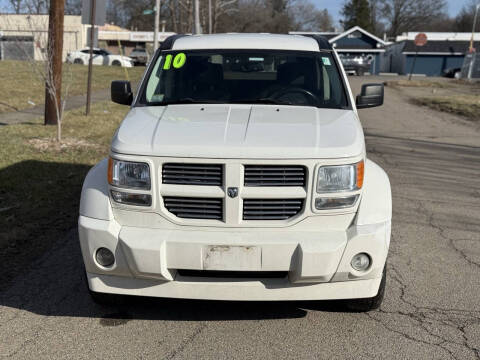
<point>471,66</point>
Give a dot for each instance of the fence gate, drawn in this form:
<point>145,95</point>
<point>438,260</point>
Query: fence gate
<point>471,66</point>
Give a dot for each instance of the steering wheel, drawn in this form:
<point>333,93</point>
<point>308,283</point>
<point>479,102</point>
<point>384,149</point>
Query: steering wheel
<point>311,97</point>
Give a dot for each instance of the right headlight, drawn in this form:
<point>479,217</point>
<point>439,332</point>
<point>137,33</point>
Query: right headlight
<point>129,175</point>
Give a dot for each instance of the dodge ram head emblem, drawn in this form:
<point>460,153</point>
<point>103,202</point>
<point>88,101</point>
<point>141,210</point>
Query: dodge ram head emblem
<point>232,192</point>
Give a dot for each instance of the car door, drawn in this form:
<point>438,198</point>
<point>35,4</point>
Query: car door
<point>98,57</point>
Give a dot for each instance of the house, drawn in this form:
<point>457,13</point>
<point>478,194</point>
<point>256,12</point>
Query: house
<point>355,42</point>
<point>442,51</point>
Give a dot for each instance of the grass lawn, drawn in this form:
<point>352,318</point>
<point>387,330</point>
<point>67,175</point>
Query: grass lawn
<point>20,85</point>
<point>40,181</point>
<point>465,105</point>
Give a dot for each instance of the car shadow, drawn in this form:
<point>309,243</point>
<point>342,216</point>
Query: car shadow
<point>41,266</point>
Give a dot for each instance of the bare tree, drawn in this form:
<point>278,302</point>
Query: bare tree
<point>408,15</point>
<point>17,5</point>
<point>41,64</point>
<point>308,18</point>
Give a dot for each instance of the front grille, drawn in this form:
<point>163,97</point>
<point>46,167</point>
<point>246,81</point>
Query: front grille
<point>271,209</point>
<point>275,175</point>
<point>192,174</point>
<point>194,208</point>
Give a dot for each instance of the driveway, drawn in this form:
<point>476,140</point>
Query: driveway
<point>432,304</point>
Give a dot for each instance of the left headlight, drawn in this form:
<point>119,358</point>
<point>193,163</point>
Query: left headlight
<point>340,178</point>
<point>129,174</point>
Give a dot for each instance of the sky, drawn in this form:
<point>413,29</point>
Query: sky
<point>334,6</point>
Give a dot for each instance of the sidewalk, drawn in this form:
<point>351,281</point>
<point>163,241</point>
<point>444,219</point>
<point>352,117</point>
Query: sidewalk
<point>73,102</point>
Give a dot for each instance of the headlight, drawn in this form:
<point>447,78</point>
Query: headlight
<point>128,174</point>
<point>340,178</point>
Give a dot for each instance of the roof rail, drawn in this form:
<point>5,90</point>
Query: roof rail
<point>167,44</point>
<point>323,43</point>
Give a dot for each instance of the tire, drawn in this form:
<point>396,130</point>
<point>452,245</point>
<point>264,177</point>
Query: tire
<point>368,304</point>
<point>103,298</point>
<point>78,61</point>
<point>116,63</point>
<point>360,72</point>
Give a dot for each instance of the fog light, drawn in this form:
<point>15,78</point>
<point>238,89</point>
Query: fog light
<point>360,262</point>
<point>105,257</point>
<point>335,203</point>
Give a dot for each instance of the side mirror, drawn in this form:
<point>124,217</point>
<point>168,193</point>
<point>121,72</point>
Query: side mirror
<point>370,96</point>
<point>121,92</point>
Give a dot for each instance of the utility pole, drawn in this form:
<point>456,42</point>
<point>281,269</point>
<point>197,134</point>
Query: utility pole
<point>209,16</point>
<point>90,61</point>
<point>157,24</point>
<point>54,61</point>
<point>198,28</point>
<point>473,28</point>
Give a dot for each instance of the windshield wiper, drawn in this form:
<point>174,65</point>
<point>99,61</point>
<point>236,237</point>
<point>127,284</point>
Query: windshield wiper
<point>184,101</point>
<point>262,101</point>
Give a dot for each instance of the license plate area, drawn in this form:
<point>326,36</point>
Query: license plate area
<point>232,258</point>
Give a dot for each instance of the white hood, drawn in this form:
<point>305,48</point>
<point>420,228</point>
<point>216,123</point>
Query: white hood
<point>240,131</point>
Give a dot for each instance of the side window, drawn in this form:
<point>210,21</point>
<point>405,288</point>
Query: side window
<point>153,82</point>
<point>86,51</point>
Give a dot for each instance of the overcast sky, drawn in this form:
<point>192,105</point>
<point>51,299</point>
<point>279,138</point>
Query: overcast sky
<point>334,6</point>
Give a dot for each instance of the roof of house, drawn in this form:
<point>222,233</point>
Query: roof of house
<point>436,46</point>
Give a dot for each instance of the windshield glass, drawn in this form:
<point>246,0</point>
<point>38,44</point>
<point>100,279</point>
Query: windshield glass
<point>245,76</point>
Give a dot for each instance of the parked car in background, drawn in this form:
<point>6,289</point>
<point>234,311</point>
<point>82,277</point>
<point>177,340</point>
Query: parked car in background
<point>100,57</point>
<point>454,73</point>
<point>355,65</point>
<point>140,56</point>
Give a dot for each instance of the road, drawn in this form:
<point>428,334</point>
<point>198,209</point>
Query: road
<point>432,304</point>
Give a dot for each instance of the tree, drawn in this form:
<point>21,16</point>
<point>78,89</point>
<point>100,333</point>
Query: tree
<point>308,18</point>
<point>410,15</point>
<point>16,5</point>
<point>357,13</point>
<point>463,22</point>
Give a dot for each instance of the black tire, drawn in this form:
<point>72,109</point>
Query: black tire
<point>368,304</point>
<point>103,298</point>
<point>360,72</point>
<point>78,61</point>
<point>116,63</point>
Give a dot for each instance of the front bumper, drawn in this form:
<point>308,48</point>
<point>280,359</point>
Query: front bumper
<point>317,263</point>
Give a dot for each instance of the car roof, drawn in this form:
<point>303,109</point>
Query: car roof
<point>246,41</point>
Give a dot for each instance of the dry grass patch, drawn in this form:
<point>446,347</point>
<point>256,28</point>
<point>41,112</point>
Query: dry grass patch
<point>465,105</point>
<point>419,83</point>
<point>22,89</point>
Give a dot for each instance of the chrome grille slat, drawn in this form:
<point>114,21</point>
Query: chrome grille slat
<point>194,208</point>
<point>271,209</point>
<point>192,174</point>
<point>275,175</point>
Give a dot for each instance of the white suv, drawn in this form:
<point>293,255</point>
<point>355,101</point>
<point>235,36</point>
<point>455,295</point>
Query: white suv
<point>240,173</point>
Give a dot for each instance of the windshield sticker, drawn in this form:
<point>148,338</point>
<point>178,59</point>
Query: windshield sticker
<point>178,61</point>
<point>326,61</point>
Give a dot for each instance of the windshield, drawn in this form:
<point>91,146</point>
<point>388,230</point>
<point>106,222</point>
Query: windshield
<point>245,76</point>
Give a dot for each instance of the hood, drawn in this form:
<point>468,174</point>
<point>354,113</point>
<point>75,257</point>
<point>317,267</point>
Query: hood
<point>240,131</point>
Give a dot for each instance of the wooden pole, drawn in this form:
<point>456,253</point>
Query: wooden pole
<point>54,61</point>
<point>90,61</point>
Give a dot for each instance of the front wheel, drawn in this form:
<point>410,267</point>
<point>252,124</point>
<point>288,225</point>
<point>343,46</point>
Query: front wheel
<point>367,304</point>
<point>116,63</point>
